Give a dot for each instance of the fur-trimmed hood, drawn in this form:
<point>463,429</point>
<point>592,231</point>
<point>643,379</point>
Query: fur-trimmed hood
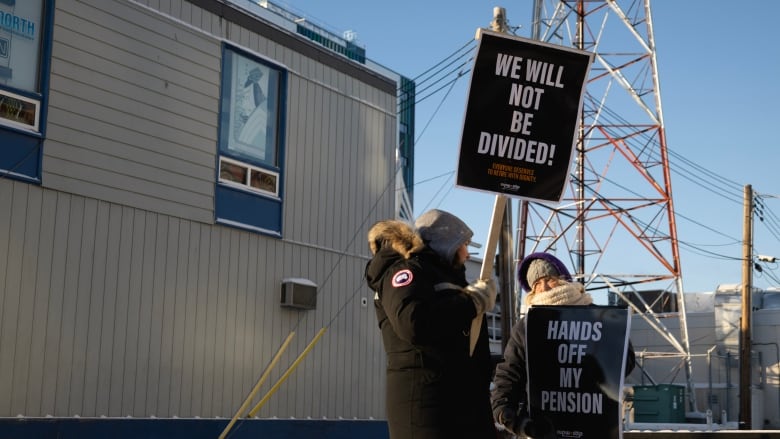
<point>398,235</point>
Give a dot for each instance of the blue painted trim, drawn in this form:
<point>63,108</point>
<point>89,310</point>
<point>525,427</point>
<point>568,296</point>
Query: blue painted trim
<point>133,428</point>
<point>20,156</point>
<point>237,207</point>
<point>282,130</point>
<point>45,70</point>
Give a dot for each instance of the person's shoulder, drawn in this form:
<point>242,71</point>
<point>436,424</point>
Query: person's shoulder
<point>406,272</point>
<point>423,258</point>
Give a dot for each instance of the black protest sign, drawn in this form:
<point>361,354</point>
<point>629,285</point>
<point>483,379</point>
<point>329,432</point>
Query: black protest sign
<point>521,117</point>
<point>576,357</point>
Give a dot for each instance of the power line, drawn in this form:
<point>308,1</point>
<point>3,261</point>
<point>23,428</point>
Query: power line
<point>767,216</point>
<point>439,79</point>
<point>681,167</point>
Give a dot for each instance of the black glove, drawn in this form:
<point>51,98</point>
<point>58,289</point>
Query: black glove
<point>522,425</point>
<point>512,421</point>
<point>537,428</point>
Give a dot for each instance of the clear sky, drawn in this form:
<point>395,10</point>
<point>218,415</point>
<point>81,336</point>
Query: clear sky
<point>719,69</point>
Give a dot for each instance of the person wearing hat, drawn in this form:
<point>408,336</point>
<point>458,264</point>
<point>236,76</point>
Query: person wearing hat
<point>547,282</point>
<point>424,306</point>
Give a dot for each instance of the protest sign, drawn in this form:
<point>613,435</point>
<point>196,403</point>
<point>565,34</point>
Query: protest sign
<point>576,363</point>
<point>519,127</point>
<point>521,117</point>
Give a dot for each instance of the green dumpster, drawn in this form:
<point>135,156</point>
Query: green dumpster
<point>659,403</point>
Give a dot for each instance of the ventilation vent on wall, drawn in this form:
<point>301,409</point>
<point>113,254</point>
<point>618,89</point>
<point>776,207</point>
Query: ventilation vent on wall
<point>299,293</point>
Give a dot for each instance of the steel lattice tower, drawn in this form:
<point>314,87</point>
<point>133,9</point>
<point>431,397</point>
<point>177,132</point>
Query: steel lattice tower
<point>615,225</point>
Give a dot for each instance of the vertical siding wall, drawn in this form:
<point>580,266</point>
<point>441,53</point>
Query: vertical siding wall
<point>118,294</point>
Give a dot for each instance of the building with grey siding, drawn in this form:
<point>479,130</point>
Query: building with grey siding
<point>171,164</point>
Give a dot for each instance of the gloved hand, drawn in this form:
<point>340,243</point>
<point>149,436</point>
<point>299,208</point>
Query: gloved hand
<point>511,421</point>
<point>537,428</point>
<point>483,293</point>
<point>522,425</point>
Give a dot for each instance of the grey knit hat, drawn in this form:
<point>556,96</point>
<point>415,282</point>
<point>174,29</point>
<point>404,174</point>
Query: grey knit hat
<point>538,269</point>
<point>524,276</point>
<point>443,232</point>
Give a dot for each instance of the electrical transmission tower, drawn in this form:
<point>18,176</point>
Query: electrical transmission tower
<point>616,222</point>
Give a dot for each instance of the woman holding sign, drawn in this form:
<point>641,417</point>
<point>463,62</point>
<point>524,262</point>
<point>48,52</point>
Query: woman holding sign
<point>547,282</point>
<point>424,307</point>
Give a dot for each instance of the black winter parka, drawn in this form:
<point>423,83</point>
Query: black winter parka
<point>435,389</point>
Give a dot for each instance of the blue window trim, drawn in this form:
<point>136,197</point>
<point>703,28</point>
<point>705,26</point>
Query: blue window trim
<point>244,208</point>
<point>21,157</point>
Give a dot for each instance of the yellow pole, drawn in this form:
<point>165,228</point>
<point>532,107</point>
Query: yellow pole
<point>287,373</point>
<point>260,382</point>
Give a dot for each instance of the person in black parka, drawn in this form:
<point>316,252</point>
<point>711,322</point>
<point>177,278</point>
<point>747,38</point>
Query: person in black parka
<point>425,306</point>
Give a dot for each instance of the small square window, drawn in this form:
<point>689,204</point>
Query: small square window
<point>233,172</point>
<point>248,177</point>
<point>18,111</point>
<point>265,181</point>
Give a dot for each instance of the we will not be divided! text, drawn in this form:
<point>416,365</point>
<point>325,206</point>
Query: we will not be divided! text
<point>528,98</point>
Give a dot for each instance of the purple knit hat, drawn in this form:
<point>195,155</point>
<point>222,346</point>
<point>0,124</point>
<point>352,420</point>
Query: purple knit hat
<point>522,268</point>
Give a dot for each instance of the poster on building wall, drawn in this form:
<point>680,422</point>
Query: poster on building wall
<point>20,46</point>
<point>252,123</point>
<point>523,110</point>
<point>576,363</point>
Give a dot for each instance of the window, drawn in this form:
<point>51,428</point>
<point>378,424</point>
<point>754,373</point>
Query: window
<point>25,48</point>
<point>248,177</point>
<point>249,189</point>
<point>19,111</point>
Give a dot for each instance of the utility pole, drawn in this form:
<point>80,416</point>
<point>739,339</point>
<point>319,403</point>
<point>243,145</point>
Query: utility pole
<point>745,387</point>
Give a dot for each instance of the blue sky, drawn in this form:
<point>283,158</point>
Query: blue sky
<point>718,68</point>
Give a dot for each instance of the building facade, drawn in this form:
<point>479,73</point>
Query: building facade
<point>166,167</point>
